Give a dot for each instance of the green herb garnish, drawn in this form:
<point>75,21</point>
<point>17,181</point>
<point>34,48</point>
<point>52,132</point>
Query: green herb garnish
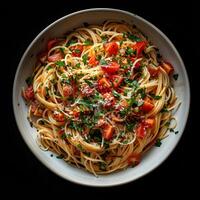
<point>78,65</point>
<point>60,63</point>
<point>116,94</point>
<point>71,42</point>
<point>88,42</point>
<point>158,143</point>
<point>175,76</point>
<point>60,156</point>
<point>167,124</point>
<point>164,109</point>
<point>104,38</point>
<point>134,38</point>
<point>89,82</point>
<point>103,62</point>
<point>29,80</point>
<point>156,97</point>
<point>85,58</point>
<point>49,67</point>
<point>130,51</point>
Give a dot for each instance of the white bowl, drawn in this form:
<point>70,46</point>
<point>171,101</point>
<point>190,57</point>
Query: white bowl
<point>93,16</point>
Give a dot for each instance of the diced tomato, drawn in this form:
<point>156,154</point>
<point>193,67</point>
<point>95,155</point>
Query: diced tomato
<point>147,106</point>
<point>168,68</point>
<point>67,90</point>
<point>141,131</point>
<point>111,48</point>
<point>101,122</point>
<point>134,159</point>
<point>111,67</point>
<point>29,93</point>
<point>76,50</point>
<point>109,100</point>
<point>124,103</point>
<point>55,57</point>
<point>74,88</point>
<point>87,91</point>
<point>51,43</point>
<point>139,47</point>
<point>76,113</point>
<point>116,80</point>
<point>93,61</point>
<point>108,132</point>
<point>60,132</point>
<point>104,85</point>
<point>59,117</point>
<point>153,70</point>
<point>138,64</point>
<point>149,123</point>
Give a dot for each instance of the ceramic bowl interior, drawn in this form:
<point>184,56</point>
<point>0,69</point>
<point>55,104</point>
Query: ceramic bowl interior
<point>59,28</point>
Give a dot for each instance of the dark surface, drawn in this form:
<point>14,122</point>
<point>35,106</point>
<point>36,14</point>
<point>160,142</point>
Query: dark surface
<point>22,169</point>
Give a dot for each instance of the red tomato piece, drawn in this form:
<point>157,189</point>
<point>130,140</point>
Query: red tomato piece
<point>134,159</point>
<point>104,85</point>
<point>141,131</point>
<point>55,57</point>
<point>29,93</point>
<point>67,90</point>
<point>139,47</point>
<point>109,100</point>
<point>108,132</point>
<point>116,80</point>
<point>93,61</point>
<point>111,48</point>
<point>59,117</point>
<point>77,50</point>
<point>51,43</point>
<point>111,67</point>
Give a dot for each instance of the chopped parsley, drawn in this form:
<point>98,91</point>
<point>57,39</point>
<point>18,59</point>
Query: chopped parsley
<point>60,156</point>
<point>85,58</point>
<point>60,63</point>
<point>88,42</point>
<point>89,82</point>
<point>132,83</point>
<point>102,166</point>
<point>71,42</point>
<point>141,91</point>
<point>78,51</point>
<point>80,148</point>
<point>167,124</point>
<point>164,109</point>
<point>130,126</point>
<point>63,136</point>
<point>103,62</point>
<point>130,51</point>
<point>134,38</point>
<point>49,67</point>
<point>175,76</point>
<point>86,103</point>
<point>78,65</point>
<point>104,38</point>
<point>158,143</point>
<point>156,97</point>
<point>116,94</point>
<point>62,50</point>
<point>29,80</point>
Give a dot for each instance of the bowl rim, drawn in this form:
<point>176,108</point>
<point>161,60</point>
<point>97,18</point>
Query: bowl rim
<point>62,19</point>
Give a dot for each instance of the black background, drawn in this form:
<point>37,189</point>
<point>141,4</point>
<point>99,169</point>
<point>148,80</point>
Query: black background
<point>20,25</point>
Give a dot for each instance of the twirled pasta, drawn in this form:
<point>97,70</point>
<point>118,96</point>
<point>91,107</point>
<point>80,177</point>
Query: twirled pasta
<point>101,97</point>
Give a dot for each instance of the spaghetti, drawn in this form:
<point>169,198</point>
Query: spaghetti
<point>101,97</point>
